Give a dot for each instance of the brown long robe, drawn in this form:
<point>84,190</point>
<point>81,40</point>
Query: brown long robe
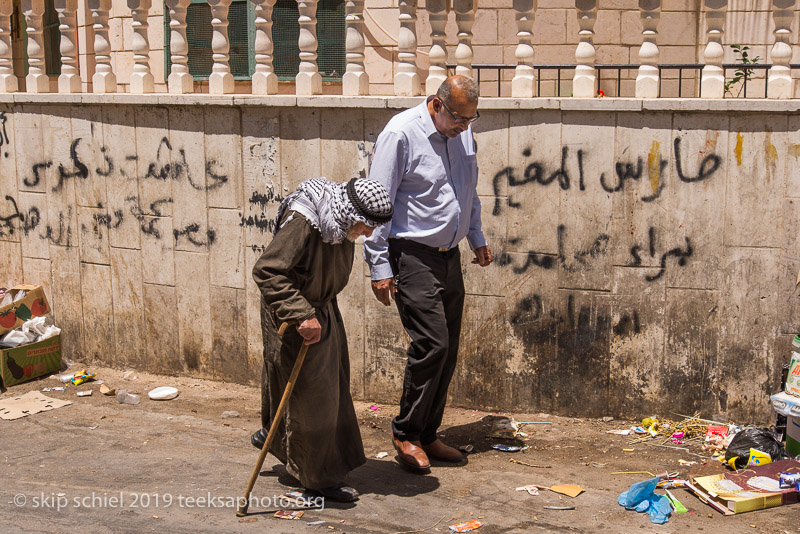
<point>300,276</point>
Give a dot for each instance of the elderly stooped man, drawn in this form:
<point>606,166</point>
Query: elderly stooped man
<point>299,274</point>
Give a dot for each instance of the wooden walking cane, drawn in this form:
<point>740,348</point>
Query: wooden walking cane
<point>241,510</point>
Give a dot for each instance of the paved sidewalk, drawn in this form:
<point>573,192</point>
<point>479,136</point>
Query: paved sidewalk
<point>177,466</point>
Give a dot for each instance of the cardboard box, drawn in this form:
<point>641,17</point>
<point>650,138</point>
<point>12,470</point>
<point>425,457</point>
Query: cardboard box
<point>33,304</point>
<point>23,363</point>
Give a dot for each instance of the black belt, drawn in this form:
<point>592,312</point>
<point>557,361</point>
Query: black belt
<point>416,244</point>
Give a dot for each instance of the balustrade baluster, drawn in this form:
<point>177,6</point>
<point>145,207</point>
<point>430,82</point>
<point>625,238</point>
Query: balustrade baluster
<point>265,81</point>
<point>8,82</point>
<point>437,15</point>
<point>69,81</point>
<point>142,80</point>
<point>355,80</point>
<point>308,79</point>
<point>465,18</point>
<point>647,78</point>
<point>220,82</point>
<point>179,80</point>
<point>779,83</point>
<point>522,86</point>
<point>713,75</point>
<point>104,79</point>
<point>36,81</point>
<point>406,79</point>
<point>583,84</point>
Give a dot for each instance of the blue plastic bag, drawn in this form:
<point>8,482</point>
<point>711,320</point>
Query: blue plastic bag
<point>642,498</point>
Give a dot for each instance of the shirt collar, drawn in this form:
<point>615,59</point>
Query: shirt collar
<point>427,123</point>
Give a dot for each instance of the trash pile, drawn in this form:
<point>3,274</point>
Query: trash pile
<point>763,474</point>
<point>123,396</point>
<point>765,481</point>
<point>34,402</point>
<point>760,464</point>
<point>29,346</point>
<point>714,436</point>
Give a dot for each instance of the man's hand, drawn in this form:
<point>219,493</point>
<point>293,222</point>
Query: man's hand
<point>310,330</point>
<point>483,256</point>
<point>384,290</point>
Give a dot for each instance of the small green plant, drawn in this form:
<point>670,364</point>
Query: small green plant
<point>742,75</point>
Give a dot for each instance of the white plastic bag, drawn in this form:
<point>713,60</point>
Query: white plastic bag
<point>17,337</point>
<point>35,326</point>
<point>31,331</point>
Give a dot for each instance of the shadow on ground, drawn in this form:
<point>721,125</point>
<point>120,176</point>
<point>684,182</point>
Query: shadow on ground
<point>478,434</point>
<point>388,478</point>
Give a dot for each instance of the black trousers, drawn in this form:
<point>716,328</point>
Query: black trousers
<point>430,299</point>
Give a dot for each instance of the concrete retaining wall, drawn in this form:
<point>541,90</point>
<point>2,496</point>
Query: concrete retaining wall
<point>646,252</point>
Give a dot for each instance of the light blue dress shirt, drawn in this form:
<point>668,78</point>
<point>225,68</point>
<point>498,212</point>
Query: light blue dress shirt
<point>431,181</point>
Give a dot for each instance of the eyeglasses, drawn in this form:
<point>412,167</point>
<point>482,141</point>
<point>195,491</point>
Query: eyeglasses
<point>457,119</point>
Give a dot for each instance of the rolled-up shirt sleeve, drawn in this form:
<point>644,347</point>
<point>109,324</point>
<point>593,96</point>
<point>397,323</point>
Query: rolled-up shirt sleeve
<point>272,272</point>
<point>388,167</point>
<point>475,236</point>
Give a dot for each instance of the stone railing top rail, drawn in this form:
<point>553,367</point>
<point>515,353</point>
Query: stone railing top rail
<point>398,102</point>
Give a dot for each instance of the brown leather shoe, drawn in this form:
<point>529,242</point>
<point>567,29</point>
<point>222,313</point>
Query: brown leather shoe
<point>411,454</point>
<point>443,452</point>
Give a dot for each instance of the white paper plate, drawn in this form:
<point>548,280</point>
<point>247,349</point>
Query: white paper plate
<point>163,393</point>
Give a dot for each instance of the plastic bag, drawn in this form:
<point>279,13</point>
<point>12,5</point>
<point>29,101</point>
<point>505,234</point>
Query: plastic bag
<point>31,331</point>
<point>761,439</point>
<point>642,498</point>
<point>17,337</point>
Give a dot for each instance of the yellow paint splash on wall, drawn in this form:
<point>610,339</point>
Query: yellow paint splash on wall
<point>794,150</point>
<point>738,149</point>
<point>770,156</point>
<point>654,166</point>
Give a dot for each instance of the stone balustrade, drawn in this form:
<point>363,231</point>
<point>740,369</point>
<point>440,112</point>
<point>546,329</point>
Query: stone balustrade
<point>385,49</point>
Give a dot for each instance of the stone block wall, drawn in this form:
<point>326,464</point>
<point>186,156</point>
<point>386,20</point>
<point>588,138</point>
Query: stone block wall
<point>646,252</point>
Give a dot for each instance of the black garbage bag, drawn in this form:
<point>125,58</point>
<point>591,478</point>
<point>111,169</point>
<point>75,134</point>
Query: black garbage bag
<point>752,437</point>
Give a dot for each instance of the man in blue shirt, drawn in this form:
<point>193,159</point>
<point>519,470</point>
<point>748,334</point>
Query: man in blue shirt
<point>425,157</point>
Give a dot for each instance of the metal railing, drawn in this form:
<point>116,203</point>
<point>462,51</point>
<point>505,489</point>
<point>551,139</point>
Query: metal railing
<point>697,68</point>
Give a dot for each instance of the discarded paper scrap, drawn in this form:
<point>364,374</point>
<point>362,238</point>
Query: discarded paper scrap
<point>288,514</point>
<point>530,488</point>
<point>570,490</point>
<point>28,404</point>
<point>466,527</point>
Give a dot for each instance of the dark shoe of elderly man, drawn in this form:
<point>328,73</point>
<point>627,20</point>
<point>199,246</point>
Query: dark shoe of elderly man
<point>258,438</point>
<point>440,451</point>
<point>340,492</point>
<point>410,454</point>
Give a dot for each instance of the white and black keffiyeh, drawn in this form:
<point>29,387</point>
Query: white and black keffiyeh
<point>334,208</point>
